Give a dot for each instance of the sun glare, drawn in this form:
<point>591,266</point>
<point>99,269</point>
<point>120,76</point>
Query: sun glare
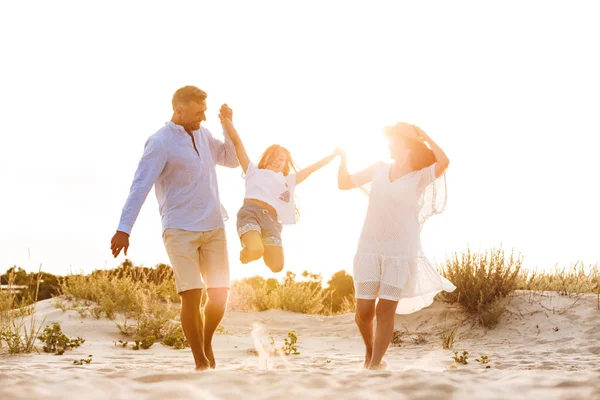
<point>362,154</point>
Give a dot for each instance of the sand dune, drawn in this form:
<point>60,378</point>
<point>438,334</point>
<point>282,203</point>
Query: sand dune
<point>544,347</point>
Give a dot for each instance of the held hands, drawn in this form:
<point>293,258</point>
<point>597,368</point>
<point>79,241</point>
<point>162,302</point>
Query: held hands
<point>225,113</point>
<point>339,151</point>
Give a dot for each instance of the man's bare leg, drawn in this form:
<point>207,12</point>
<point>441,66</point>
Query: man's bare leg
<point>386,310</point>
<point>213,314</point>
<point>193,326</point>
<point>365,312</point>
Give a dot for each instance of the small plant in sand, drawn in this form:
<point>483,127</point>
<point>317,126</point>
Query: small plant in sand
<point>289,344</point>
<point>396,338</point>
<point>83,312</point>
<point>483,359</point>
<point>462,358</point>
<point>97,312</point>
<point>144,343</point>
<point>448,335</point>
<point>221,330</point>
<point>399,337</point>
<point>125,328</point>
<point>56,341</point>
<point>175,339</point>
<point>83,361</point>
<point>121,343</point>
<point>61,304</point>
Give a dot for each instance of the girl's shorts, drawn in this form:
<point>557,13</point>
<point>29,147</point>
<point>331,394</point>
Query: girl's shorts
<point>254,217</point>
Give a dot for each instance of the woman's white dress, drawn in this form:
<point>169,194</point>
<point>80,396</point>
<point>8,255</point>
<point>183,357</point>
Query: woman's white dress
<point>389,262</point>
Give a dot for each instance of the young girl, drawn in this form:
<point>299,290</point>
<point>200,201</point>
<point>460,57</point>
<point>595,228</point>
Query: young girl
<point>269,200</point>
<point>389,263</point>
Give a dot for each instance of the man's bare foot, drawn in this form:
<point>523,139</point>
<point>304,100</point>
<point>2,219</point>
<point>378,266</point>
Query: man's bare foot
<point>203,365</point>
<point>210,355</point>
<point>382,366</point>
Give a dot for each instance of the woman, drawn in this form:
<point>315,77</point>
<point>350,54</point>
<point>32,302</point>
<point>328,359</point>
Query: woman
<point>389,264</point>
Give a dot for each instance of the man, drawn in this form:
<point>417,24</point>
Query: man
<point>179,160</point>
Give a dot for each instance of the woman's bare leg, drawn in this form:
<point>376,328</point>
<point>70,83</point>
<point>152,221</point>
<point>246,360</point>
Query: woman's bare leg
<point>365,312</point>
<point>385,311</point>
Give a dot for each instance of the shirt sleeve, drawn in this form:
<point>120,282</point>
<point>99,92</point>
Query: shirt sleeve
<point>223,153</point>
<point>364,176</point>
<point>251,170</point>
<point>425,177</point>
<point>149,169</point>
<point>432,192</point>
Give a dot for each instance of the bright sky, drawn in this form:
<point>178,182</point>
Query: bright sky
<point>510,90</point>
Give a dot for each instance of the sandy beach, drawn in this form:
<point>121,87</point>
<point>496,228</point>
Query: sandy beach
<point>544,347</point>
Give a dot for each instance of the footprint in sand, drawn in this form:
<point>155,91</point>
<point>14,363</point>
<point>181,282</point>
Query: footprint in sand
<point>571,384</point>
<point>504,365</point>
<point>127,358</point>
<point>519,353</point>
<point>107,370</point>
<point>594,349</point>
<point>547,365</point>
<point>153,378</point>
<point>567,350</point>
<point>563,340</point>
<point>591,331</point>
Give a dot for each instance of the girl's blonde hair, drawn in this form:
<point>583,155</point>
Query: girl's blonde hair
<point>290,165</point>
<point>271,153</point>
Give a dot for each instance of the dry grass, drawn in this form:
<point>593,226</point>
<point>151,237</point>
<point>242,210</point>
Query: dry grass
<point>305,296</point>
<point>576,279</point>
<point>18,327</point>
<point>572,282</point>
<point>128,293</point>
<point>448,334</point>
<point>144,302</point>
<point>140,306</point>
<point>482,280</point>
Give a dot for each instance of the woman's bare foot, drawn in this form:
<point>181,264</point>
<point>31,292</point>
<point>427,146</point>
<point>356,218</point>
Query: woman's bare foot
<point>367,361</point>
<point>382,366</point>
<point>210,356</point>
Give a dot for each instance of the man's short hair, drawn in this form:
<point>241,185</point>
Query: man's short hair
<point>187,94</point>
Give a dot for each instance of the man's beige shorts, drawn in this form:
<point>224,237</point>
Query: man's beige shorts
<point>199,259</point>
